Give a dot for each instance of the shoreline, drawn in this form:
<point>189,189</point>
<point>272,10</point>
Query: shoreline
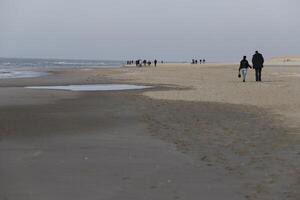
<point>277,77</point>
<point>162,143</point>
<point>188,90</point>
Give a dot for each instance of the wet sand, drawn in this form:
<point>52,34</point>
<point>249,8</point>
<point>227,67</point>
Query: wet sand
<point>134,145</point>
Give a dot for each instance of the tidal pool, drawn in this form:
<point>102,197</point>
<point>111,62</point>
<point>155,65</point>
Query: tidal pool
<point>94,87</point>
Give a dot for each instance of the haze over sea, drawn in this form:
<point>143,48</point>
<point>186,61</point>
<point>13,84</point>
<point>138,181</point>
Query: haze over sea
<point>26,67</point>
<point>21,63</point>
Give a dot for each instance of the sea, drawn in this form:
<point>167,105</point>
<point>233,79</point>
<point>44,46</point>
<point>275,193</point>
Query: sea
<point>31,67</point>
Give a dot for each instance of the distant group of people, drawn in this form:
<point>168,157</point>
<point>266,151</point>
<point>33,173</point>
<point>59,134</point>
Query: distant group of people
<point>257,61</point>
<point>195,61</point>
<point>140,62</point>
<point>129,62</point>
<point>258,64</point>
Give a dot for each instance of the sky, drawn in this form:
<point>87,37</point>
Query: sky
<point>174,30</point>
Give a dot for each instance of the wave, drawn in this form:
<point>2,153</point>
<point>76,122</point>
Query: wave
<point>10,74</point>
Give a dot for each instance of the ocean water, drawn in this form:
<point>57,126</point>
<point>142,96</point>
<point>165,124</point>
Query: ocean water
<point>9,63</point>
<point>28,67</point>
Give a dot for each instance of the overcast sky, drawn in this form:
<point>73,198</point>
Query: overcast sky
<point>219,30</point>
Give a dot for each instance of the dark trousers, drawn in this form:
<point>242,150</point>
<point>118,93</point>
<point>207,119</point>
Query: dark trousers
<point>258,74</point>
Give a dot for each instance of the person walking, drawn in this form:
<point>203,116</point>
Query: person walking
<point>145,62</point>
<point>137,63</point>
<point>155,63</point>
<point>258,64</point>
<point>243,69</point>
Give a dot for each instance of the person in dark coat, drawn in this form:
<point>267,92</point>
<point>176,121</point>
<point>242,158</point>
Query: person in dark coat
<point>243,69</point>
<point>155,62</point>
<point>137,63</point>
<point>145,62</point>
<point>258,64</point>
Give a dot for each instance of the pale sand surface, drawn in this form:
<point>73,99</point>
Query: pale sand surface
<point>279,92</point>
<point>200,134</point>
<point>284,60</point>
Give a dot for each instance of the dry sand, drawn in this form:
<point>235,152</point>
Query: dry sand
<point>279,91</point>
<point>284,60</point>
<point>200,134</point>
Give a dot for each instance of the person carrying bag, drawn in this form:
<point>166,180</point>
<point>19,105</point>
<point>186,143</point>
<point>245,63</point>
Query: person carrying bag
<point>243,69</point>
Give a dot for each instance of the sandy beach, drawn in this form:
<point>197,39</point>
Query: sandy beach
<point>199,133</point>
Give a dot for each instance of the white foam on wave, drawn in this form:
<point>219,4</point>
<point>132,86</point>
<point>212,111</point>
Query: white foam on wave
<point>7,74</point>
<point>94,87</point>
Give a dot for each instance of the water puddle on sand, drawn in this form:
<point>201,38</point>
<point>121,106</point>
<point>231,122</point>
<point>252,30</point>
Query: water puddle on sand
<point>95,87</point>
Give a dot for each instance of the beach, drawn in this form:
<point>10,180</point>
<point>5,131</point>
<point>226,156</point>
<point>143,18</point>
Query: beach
<point>198,133</point>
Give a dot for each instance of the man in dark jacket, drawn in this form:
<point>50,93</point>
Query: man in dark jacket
<point>258,64</point>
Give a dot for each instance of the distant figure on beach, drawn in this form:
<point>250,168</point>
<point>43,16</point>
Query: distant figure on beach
<point>137,63</point>
<point>243,69</point>
<point>149,63</point>
<point>200,61</point>
<point>155,63</point>
<point>204,61</point>
<point>193,61</point>
<point>145,62</point>
<point>258,64</point>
